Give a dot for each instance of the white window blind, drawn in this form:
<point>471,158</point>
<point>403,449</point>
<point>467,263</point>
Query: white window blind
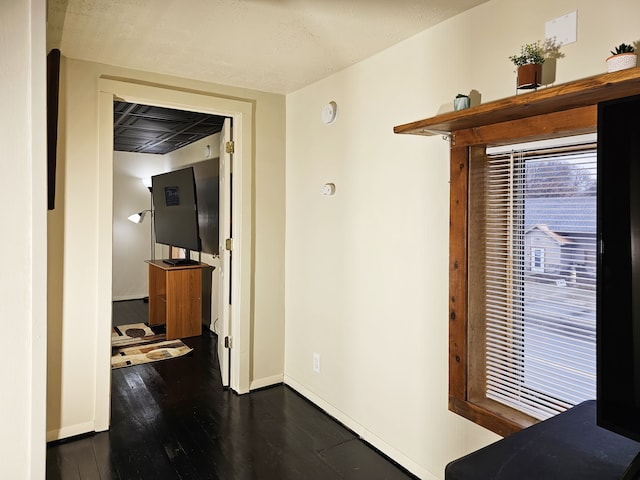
<point>539,224</point>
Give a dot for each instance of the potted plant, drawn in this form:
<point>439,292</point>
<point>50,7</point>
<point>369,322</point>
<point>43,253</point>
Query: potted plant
<point>461,102</point>
<point>529,65</point>
<point>622,57</point>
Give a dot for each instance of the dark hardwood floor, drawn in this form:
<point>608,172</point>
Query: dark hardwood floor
<point>173,420</point>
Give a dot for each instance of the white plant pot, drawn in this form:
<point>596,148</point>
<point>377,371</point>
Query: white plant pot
<point>622,61</point>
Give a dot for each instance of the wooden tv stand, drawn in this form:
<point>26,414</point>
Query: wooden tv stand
<point>175,298</point>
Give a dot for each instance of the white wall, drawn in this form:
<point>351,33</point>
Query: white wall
<point>23,216</point>
<point>132,241</point>
<point>194,152</point>
<point>367,269</point>
<point>78,242</point>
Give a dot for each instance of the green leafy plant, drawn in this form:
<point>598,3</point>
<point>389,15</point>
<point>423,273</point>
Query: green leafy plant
<point>529,53</point>
<point>622,48</point>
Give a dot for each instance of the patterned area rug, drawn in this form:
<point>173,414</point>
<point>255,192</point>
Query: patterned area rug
<point>134,334</point>
<point>152,352</point>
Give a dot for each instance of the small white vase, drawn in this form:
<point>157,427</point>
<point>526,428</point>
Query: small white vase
<point>621,61</point>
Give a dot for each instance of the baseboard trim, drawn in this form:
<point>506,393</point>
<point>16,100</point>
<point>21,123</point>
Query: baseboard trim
<point>70,431</point>
<point>365,434</point>
<point>266,382</point>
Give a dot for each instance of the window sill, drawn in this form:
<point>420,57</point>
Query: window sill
<point>492,415</point>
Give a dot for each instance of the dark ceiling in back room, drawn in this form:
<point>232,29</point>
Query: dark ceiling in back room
<point>148,129</point>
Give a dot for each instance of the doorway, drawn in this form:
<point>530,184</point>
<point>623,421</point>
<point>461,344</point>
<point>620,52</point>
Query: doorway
<point>150,140</point>
<point>241,112</point>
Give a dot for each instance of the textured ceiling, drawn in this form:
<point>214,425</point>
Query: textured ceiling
<point>149,129</point>
<point>270,45</point>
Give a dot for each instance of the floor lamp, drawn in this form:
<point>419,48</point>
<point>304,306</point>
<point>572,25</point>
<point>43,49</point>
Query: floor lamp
<point>139,217</point>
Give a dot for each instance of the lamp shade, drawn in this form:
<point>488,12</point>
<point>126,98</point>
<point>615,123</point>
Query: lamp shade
<point>137,217</point>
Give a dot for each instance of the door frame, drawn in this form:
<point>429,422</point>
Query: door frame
<point>224,287</point>
<point>241,111</point>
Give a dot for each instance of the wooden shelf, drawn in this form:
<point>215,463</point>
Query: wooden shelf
<point>585,92</point>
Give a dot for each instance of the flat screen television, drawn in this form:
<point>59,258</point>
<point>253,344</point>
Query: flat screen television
<point>176,212</point>
<point>618,285</point>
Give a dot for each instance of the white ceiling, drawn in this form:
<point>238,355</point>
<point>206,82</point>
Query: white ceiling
<point>271,45</point>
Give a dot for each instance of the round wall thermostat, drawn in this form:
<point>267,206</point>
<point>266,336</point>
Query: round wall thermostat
<point>329,112</point>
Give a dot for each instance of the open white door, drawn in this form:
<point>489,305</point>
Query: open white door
<point>224,298</point>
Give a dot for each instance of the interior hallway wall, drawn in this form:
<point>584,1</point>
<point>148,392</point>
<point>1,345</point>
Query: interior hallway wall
<point>132,241</point>
<point>75,231</point>
<point>23,283</point>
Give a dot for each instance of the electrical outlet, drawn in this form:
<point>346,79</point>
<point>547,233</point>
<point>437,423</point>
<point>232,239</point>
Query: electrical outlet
<point>316,362</point>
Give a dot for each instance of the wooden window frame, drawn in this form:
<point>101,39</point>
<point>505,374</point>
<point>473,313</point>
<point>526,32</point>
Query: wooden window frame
<point>563,110</point>
<point>466,338</point>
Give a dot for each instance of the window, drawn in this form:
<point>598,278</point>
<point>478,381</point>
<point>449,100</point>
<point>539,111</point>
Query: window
<point>537,314</point>
<point>506,392</point>
<point>537,259</point>
<point>556,111</point>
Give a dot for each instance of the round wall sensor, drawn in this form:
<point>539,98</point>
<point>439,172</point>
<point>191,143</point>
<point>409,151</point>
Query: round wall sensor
<point>329,112</point>
<point>328,189</point>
